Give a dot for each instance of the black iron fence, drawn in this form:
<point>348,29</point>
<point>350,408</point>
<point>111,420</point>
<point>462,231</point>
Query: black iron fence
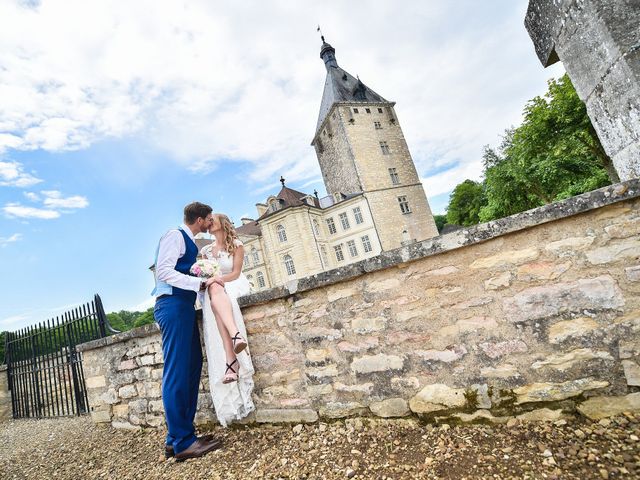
<point>45,370</point>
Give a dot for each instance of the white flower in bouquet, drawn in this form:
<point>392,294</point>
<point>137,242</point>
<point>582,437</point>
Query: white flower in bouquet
<point>205,268</point>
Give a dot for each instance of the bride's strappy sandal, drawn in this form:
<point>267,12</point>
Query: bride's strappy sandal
<point>239,343</point>
<point>233,376</point>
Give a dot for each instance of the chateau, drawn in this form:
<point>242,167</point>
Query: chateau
<point>375,200</point>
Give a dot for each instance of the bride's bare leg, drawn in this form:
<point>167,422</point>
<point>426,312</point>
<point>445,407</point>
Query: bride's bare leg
<point>226,340</point>
<point>221,306</point>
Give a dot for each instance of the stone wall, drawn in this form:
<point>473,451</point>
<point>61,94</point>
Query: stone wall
<point>5,395</point>
<point>597,42</point>
<point>534,315</point>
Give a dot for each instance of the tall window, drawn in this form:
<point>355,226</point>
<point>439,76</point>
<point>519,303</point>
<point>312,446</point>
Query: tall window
<point>404,204</point>
<point>254,254</point>
<point>379,110</point>
<point>316,227</point>
<point>288,263</point>
<point>385,148</point>
<point>355,110</point>
<point>344,221</point>
<point>282,234</point>
<point>260,278</point>
<point>353,250</point>
<point>368,110</point>
<point>394,176</point>
<point>246,259</point>
<point>377,125</point>
<point>358,214</point>
<point>331,226</point>
<point>273,205</point>
<point>250,280</point>
<point>366,243</point>
<point>339,254</point>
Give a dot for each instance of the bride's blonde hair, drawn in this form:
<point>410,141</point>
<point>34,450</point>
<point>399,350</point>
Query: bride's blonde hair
<point>229,234</point>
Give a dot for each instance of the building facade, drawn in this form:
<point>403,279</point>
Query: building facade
<point>375,199</point>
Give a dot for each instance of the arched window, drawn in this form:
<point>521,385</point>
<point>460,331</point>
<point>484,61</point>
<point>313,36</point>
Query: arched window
<point>282,234</point>
<point>254,254</point>
<point>250,279</point>
<point>260,278</point>
<point>316,227</point>
<point>288,263</point>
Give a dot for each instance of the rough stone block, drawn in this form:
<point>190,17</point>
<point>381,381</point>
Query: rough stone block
<point>392,407</point>
<point>559,332</point>
<point>631,373</point>
<point>366,343</point>
<point>597,408</point>
<point>498,282</point>
<point>376,363</point>
<point>633,273</point>
<point>127,365</point>
<point>128,391</point>
<point>450,354</point>
<point>506,258</point>
<point>565,361</point>
<point>96,382</point>
<point>542,271</point>
<point>367,325</point>
<point>341,409</point>
<point>615,251</point>
<point>146,360</point>
<point>550,392</point>
<point>330,370</point>
<point>541,415</point>
<point>599,293</point>
<point>437,397</point>
<point>568,246</point>
<point>360,389</point>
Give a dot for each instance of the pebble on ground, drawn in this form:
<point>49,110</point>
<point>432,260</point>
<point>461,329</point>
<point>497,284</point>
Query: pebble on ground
<point>71,448</point>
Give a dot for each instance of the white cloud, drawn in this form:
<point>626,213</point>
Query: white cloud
<point>207,82</point>
<point>32,196</point>
<point>12,174</point>
<point>54,199</point>
<point>15,210</point>
<point>4,241</point>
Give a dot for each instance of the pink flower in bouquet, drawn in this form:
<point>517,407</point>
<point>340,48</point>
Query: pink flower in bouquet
<point>205,268</point>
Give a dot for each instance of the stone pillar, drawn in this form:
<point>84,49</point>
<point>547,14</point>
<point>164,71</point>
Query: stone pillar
<point>598,42</point>
<point>5,395</point>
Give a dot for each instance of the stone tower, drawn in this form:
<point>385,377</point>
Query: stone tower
<point>361,148</point>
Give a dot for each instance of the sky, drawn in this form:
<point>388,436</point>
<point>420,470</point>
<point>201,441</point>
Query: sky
<point>114,115</point>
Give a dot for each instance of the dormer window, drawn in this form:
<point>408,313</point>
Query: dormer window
<point>273,205</point>
<point>355,110</point>
<point>379,110</point>
<point>368,110</point>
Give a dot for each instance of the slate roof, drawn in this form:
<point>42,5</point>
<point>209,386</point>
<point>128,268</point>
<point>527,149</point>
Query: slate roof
<point>341,86</point>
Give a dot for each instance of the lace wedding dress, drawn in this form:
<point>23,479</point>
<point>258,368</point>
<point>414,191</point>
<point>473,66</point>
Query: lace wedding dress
<point>232,401</point>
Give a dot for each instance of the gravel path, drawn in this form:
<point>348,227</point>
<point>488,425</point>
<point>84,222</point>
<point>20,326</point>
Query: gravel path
<point>74,448</point>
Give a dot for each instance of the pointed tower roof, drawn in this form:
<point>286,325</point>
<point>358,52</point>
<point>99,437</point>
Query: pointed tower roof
<point>340,85</point>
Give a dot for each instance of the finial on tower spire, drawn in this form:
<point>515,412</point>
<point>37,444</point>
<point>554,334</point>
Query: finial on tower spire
<point>282,180</point>
<point>321,35</point>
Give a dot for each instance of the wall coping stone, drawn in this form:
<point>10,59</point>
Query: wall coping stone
<point>475,234</point>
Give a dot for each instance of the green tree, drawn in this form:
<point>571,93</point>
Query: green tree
<point>125,320</point>
<point>465,203</point>
<point>553,155</point>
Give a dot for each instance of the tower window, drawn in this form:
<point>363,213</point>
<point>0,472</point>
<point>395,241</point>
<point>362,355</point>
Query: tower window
<point>379,110</point>
<point>246,259</point>
<point>260,278</point>
<point>256,257</point>
<point>331,226</point>
<point>355,110</point>
<point>288,263</point>
<point>353,250</point>
<point>282,234</point>
<point>404,204</point>
<point>368,110</point>
<point>366,243</point>
<point>385,148</point>
<point>339,254</point>
<point>377,125</point>
<point>358,214</point>
<point>325,259</point>
<point>344,220</point>
<point>394,176</point>
<point>316,227</point>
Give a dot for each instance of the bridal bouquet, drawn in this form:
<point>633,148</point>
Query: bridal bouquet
<point>205,268</point>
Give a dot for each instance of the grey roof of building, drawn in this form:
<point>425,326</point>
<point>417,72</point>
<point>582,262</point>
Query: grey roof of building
<point>341,86</point>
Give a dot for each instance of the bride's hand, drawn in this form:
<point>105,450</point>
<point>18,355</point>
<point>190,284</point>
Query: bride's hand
<point>218,280</point>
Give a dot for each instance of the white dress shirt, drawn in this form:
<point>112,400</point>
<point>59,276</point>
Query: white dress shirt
<point>171,248</point>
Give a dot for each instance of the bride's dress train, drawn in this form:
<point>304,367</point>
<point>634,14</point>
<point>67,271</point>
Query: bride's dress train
<point>232,401</point>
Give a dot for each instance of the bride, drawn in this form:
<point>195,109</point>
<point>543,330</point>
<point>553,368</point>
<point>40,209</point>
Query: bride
<point>228,358</point>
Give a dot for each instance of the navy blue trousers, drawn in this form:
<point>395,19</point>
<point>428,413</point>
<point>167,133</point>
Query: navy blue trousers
<point>182,353</point>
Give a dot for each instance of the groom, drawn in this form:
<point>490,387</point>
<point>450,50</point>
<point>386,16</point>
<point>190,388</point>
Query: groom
<point>174,311</point>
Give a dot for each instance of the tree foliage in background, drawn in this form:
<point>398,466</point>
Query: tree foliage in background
<point>440,220</point>
<point>553,155</point>
<point>125,320</point>
<point>465,203</point>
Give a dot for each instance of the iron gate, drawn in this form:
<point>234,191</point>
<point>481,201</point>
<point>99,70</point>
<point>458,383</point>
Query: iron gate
<point>45,370</point>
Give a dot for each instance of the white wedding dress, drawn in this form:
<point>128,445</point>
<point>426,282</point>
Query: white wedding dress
<point>232,401</point>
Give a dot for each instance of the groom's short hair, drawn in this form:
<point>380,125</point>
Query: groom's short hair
<point>196,210</point>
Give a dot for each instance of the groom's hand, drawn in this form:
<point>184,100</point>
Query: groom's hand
<point>218,280</point>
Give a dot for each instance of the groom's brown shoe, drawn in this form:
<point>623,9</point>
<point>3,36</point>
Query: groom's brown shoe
<point>197,449</point>
<point>168,449</point>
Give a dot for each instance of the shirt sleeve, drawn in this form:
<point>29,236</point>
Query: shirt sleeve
<point>170,250</point>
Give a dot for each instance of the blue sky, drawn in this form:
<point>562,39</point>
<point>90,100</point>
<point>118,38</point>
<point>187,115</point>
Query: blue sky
<point>114,115</point>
